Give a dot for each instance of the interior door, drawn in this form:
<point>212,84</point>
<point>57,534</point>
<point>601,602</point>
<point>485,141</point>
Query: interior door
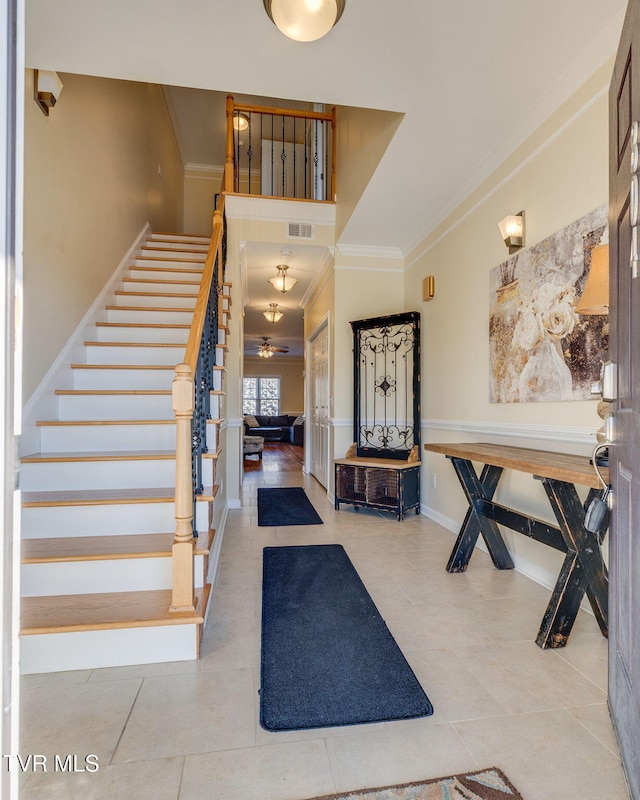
<point>319,422</point>
<point>624,605</point>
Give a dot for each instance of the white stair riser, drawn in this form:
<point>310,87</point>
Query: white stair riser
<point>58,652</point>
<point>88,438</point>
<point>105,575</point>
<point>126,406</point>
<point>157,315</point>
<point>166,273</point>
<point>162,254</point>
<point>197,238</point>
<point>181,286</point>
<point>167,261</point>
<point>105,520</point>
<point>123,378</point>
<point>58,476</point>
<point>195,247</point>
<point>168,356</point>
<point>144,301</point>
<point>106,333</point>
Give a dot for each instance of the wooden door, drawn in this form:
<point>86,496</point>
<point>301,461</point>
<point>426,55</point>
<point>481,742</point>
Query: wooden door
<point>319,407</point>
<point>624,605</point>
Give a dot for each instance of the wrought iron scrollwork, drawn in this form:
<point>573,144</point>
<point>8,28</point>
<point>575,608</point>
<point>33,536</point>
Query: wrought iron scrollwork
<point>387,385</point>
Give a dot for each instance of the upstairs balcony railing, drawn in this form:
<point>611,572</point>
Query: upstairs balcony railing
<point>279,152</point>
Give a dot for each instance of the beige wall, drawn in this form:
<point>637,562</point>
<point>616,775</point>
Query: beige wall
<point>291,374</point>
<point>201,184</point>
<point>557,176</point>
<point>91,183</point>
<point>362,136</point>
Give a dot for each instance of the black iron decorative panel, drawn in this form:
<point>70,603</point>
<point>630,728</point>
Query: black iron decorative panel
<point>387,385</point>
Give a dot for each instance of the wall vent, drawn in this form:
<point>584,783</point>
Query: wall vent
<point>300,230</point>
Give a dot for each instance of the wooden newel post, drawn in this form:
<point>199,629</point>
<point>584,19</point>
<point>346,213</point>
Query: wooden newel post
<point>183,595</point>
<point>229,170</point>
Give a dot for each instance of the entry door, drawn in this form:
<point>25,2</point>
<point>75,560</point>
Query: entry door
<point>319,428</point>
<point>624,605</point>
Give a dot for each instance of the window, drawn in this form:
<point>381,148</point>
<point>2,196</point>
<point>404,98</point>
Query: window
<point>261,396</point>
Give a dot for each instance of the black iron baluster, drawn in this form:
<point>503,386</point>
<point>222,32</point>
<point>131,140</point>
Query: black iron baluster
<point>283,157</point>
<point>294,157</point>
<point>326,184</point>
<point>236,133</point>
<point>272,145</point>
<point>250,150</point>
<point>306,161</point>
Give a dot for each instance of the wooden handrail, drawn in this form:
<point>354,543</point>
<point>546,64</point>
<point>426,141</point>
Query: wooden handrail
<point>327,116</point>
<point>183,402</point>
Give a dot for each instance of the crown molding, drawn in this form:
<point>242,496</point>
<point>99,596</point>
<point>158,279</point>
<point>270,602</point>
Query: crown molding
<point>368,251</point>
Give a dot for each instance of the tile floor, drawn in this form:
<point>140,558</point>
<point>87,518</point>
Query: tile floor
<point>190,731</point>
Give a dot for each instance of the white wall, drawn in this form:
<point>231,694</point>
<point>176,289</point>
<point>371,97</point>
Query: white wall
<point>92,180</point>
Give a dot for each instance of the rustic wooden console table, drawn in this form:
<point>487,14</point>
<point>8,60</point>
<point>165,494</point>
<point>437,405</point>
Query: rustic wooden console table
<point>583,569</point>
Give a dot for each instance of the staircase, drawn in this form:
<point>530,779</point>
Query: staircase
<point>98,515</point>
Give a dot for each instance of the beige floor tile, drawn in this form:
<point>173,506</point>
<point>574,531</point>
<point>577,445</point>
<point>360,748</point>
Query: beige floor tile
<point>454,692</point>
<point>547,755</point>
<point>231,644</point>
<point>54,679</point>
<point>522,677</point>
<point>397,754</point>
<point>279,772</point>
<point>597,721</point>
<point>439,626</point>
<point>589,655</point>
<point>81,719</point>
<point>198,713</point>
<point>142,780</point>
<point>140,671</point>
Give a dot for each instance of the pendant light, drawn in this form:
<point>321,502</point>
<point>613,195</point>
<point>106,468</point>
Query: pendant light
<point>283,282</point>
<point>273,315</point>
<point>304,20</point>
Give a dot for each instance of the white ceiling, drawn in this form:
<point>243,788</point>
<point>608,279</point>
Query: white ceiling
<point>473,79</point>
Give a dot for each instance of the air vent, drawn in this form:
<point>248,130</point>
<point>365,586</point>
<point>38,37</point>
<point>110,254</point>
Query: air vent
<point>300,230</point>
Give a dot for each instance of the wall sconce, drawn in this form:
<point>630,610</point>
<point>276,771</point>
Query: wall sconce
<point>595,297</point>
<point>512,230</point>
<point>273,315</point>
<point>46,89</point>
<point>283,282</point>
<point>304,20</point>
<point>240,121</point>
<point>428,288</point>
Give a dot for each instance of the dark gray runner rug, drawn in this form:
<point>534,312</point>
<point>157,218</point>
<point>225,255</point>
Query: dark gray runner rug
<point>328,657</point>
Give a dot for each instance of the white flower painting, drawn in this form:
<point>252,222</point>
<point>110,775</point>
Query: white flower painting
<point>540,349</point>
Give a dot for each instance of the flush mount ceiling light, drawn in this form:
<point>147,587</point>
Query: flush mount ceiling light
<point>304,20</point>
<point>512,230</point>
<point>273,315</point>
<point>240,122</point>
<point>283,282</point>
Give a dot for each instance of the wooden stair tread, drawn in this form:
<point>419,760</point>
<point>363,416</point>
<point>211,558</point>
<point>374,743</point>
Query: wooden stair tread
<point>184,270</point>
<point>123,366</point>
<point>150,308</point>
<point>106,548</point>
<point>66,422</point>
<point>135,344</point>
<point>125,293</point>
<point>97,497</point>
<point>163,325</point>
<point>108,611</point>
<point>89,392</point>
<point>107,455</point>
<point>191,250</point>
<point>179,259</point>
<point>162,282</point>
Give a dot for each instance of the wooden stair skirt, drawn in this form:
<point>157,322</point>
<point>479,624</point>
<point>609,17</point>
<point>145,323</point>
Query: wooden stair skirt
<point>98,516</point>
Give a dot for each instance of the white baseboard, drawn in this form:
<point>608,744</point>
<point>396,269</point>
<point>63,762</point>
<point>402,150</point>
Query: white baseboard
<point>43,402</point>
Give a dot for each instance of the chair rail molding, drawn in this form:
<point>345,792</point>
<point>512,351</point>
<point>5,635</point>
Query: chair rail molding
<point>568,434</point>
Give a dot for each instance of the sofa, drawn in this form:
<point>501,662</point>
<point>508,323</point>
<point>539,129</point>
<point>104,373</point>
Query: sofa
<point>282,428</point>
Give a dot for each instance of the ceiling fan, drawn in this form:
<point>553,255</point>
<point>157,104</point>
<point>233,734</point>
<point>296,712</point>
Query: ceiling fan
<point>266,350</point>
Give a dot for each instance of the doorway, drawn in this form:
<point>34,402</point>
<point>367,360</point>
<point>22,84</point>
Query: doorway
<point>319,395</point>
